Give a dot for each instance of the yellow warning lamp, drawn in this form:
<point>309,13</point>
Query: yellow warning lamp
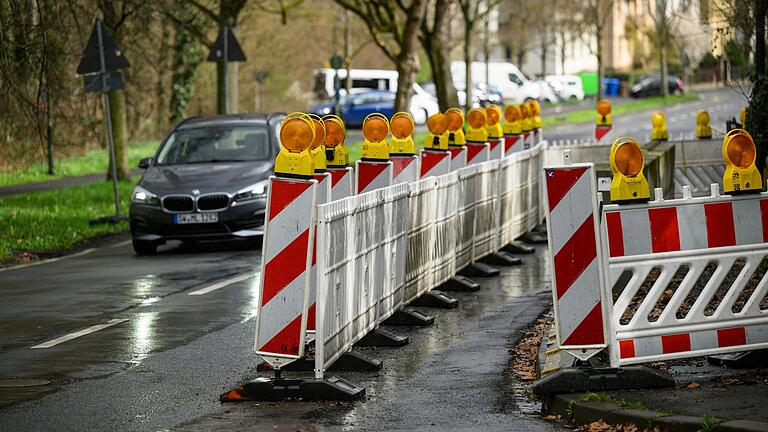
<point>336,154</point>
<point>739,153</point>
<point>659,131</point>
<point>375,131</point>
<point>317,149</point>
<point>535,110</point>
<point>493,122</point>
<point>401,125</point>
<point>476,126</point>
<point>296,135</point>
<point>703,130</point>
<point>512,124</point>
<point>627,163</point>
<point>437,138</point>
<point>743,117</point>
<point>525,118</point>
<point>604,113</point>
<point>455,118</point>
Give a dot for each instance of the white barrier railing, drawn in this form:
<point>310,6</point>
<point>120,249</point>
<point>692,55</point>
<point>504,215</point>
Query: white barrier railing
<point>445,228</point>
<point>465,216</point>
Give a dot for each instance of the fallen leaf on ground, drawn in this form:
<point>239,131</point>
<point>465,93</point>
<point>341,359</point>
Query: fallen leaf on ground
<point>693,385</point>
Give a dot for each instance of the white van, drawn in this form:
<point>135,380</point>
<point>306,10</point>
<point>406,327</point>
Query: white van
<point>504,76</point>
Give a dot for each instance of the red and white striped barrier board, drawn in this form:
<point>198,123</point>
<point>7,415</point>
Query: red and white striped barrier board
<point>435,162</point>
<point>289,231</point>
<point>527,140</point>
<point>405,168</point>
<point>478,152</point>
<point>496,148</point>
<point>342,182</point>
<point>372,175</point>
<point>512,144</point>
<point>458,157</point>
<point>688,226</point>
<point>323,196</point>
<point>572,227</point>
<point>601,131</point>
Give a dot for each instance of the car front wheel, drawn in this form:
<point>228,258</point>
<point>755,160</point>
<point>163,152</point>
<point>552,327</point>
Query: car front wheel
<point>142,247</point>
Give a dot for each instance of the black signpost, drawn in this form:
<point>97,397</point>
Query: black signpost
<point>100,67</point>
<point>226,49</point>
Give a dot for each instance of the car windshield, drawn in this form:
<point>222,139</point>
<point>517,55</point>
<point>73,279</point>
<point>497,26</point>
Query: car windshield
<point>216,144</point>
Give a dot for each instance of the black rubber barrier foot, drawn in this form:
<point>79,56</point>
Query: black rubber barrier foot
<point>520,248</point>
<point>533,237</point>
<point>277,389</point>
<point>436,299</point>
<point>349,361</point>
<point>501,259</point>
<point>585,379</point>
<point>740,360</point>
<point>409,317</point>
<point>381,337</point>
<point>460,283</point>
<point>479,269</point>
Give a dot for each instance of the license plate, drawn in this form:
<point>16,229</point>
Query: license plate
<point>195,218</point>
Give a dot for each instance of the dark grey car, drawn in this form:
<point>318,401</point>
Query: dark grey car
<point>208,180</point>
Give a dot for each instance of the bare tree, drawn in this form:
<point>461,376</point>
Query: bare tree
<point>394,26</point>
<point>593,19</point>
<point>474,12</point>
<point>434,37</point>
<point>666,15</point>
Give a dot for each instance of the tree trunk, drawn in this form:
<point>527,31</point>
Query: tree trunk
<point>467,65</point>
<point>435,44</point>
<point>120,134</point>
<point>663,64</point>
<point>407,63</point>
<point>757,114</point>
<point>760,12</point>
<point>562,53</point>
<point>599,34</point>
<point>544,53</point>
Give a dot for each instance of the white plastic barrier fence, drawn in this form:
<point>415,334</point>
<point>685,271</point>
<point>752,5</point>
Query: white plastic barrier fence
<point>421,234</point>
<point>444,249</point>
<point>465,217</point>
<point>485,233</point>
<point>662,280</point>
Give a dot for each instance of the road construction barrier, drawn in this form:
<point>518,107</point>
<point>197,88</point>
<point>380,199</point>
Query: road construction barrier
<point>465,216</point>
<point>660,280</point>
<point>418,257</point>
<point>485,233</point>
<point>405,168</point>
<point>447,194</point>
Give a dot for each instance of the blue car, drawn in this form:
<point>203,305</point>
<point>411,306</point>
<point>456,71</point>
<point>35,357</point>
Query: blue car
<point>356,106</point>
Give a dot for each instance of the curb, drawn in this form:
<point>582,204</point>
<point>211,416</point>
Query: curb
<point>572,408</point>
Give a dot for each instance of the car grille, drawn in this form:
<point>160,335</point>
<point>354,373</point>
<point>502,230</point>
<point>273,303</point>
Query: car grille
<point>178,203</point>
<point>213,202</point>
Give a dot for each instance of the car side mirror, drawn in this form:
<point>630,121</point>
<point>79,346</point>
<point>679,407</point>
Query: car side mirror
<point>145,163</point>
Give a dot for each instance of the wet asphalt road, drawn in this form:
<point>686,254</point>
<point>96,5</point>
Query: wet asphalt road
<point>164,362</point>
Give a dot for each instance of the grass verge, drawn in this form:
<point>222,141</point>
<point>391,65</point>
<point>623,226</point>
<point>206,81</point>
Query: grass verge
<point>58,219</point>
<point>588,115</point>
<point>93,161</point>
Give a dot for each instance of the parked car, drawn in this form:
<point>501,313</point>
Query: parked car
<point>546,92</point>
<point>504,76</point>
<point>359,103</point>
<point>568,87</point>
<point>208,180</point>
<point>650,85</point>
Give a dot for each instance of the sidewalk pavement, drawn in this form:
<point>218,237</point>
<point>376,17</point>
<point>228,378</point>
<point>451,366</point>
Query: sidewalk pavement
<point>58,183</point>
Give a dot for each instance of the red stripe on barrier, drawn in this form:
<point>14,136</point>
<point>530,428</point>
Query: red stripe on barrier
<point>430,159</point>
<point>283,193</point>
<point>764,218</point>
<point>626,348</point>
<point>286,266</point>
<point>509,142</point>
<point>720,227</point>
<point>311,316</point>
<point>494,143</point>
<point>473,150</point>
<point>367,172</point>
<point>559,182</point>
<point>601,131</point>
<point>336,176</point>
<point>675,343</point>
<point>665,236</point>
<point>399,164</point>
<point>286,341</point>
<point>732,337</point>
<point>590,329</point>
<point>575,256</point>
<point>615,234</point>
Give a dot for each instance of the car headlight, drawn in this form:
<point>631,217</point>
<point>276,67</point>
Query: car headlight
<point>252,192</point>
<point>143,196</point>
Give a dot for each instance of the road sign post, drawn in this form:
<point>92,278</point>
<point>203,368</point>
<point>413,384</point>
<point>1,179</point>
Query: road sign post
<point>226,49</point>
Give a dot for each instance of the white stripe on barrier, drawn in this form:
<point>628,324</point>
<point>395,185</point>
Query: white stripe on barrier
<point>342,182</point>
<point>458,157</point>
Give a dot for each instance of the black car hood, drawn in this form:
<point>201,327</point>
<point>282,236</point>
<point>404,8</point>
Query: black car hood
<point>206,178</point>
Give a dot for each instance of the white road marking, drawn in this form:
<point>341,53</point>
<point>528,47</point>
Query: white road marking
<point>77,334</point>
<point>222,284</point>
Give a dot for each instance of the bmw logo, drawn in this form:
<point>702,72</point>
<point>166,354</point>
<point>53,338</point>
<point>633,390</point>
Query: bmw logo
<point>195,192</point>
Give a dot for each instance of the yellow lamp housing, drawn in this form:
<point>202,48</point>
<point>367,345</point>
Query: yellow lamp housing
<point>297,132</point>
<point>627,163</point>
<point>741,174</point>
<point>401,125</point>
<point>493,122</point>
<point>535,110</point>
<point>476,119</point>
<point>317,149</point>
<point>437,138</point>
<point>455,119</point>
<point>375,131</point>
<point>659,131</point>
<point>525,118</point>
<point>336,154</point>
<point>743,117</point>
<point>703,130</point>
<point>604,113</point>
<point>512,124</point>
